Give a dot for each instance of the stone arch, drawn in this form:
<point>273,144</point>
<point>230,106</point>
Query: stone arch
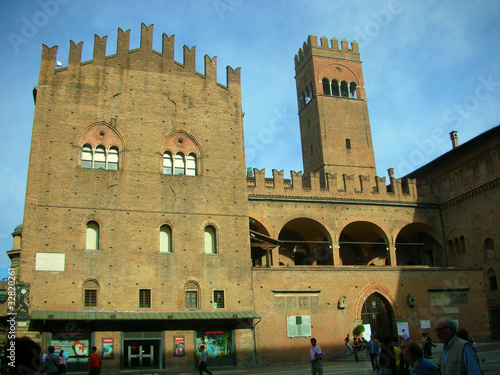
<point>384,291</point>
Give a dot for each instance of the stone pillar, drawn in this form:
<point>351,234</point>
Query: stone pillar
<point>392,256</point>
<point>336,254</point>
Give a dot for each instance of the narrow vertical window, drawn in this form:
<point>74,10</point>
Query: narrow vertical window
<point>219,302</point>
<point>167,163</point>
<point>352,90</point>
<point>87,156</point>
<point>344,89</point>
<point>348,144</point>
<point>492,277</point>
<point>165,239</point>
<point>92,236</point>
<point>210,240</point>
<point>90,290</point>
<point>462,245</point>
<point>112,158</point>
<point>191,165</point>
<point>335,88</point>
<point>191,292</point>
<point>489,249</point>
<point>326,86</point>
<point>145,298</point>
<point>179,164</point>
<point>100,158</point>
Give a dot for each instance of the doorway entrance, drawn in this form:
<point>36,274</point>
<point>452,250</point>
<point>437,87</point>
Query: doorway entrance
<point>142,350</point>
<point>377,312</point>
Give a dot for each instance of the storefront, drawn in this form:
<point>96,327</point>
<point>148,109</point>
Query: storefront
<point>149,341</point>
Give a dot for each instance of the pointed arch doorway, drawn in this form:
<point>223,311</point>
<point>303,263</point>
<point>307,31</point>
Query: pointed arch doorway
<point>377,311</point>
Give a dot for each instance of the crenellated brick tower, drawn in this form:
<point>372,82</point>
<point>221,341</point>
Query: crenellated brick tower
<point>333,112</point>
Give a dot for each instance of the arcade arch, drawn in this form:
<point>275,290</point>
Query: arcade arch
<point>419,244</point>
<point>363,243</point>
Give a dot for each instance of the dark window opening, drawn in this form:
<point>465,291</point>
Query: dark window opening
<point>326,87</point>
<point>219,302</point>
<point>344,89</point>
<point>90,298</point>
<point>144,298</point>
<point>348,144</point>
<point>352,90</point>
<point>335,88</point>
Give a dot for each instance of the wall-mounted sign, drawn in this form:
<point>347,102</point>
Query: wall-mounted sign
<point>179,346</point>
<point>108,349</point>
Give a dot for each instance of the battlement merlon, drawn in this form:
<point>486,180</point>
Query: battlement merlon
<point>311,47</point>
<point>142,58</point>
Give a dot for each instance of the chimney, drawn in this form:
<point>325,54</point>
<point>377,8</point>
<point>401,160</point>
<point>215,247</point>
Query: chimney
<point>454,139</point>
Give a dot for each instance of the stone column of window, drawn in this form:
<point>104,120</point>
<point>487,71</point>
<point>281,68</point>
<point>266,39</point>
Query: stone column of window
<point>336,254</point>
<point>276,256</point>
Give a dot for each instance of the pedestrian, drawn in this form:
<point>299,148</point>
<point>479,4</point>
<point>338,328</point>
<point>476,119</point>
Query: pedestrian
<point>202,362</point>
<point>316,358</point>
<point>62,363</point>
<point>458,356</point>
<point>419,365</point>
<point>52,361</point>
<point>95,362</point>
<point>348,344</point>
<point>355,345</point>
<point>373,350</point>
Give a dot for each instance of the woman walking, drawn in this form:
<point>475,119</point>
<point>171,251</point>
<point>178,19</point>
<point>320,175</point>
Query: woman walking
<point>202,362</point>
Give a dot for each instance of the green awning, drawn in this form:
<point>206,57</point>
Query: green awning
<point>149,315</point>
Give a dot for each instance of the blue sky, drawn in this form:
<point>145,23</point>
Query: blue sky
<point>430,67</point>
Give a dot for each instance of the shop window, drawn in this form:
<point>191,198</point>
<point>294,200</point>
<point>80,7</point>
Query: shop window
<point>219,302</point>
<point>210,240</point>
<point>92,236</point>
<point>145,298</point>
<point>165,239</point>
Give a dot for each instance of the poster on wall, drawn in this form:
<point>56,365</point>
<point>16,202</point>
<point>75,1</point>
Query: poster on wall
<point>108,348</point>
<point>179,346</point>
<point>403,330</point>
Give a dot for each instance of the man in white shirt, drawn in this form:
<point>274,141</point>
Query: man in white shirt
<point>316,358</point>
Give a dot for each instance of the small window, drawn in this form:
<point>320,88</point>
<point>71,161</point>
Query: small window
<point>326,86</point>
<point>113,159</point>
<point>219,302</point>
<point>145,298</point>
<point>90,290</point>
<point>92,236</point>
<point>210,240</point>
<point>100,158</point>
<point>191,291</point>
<point>179,164</point>
<point>344,89</point>
<point>489,250</point>
<point>165,239</point>
<point>352,90</point>
<point>90,298</point>
<point>348,144</point>
<point>87,156</point>
<point>492,277</point>
<point>191,165</point>
<point>167,163</point>
<point>335,88</point>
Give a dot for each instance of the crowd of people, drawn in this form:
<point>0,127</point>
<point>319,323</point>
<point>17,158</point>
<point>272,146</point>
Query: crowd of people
<point>403,355</point>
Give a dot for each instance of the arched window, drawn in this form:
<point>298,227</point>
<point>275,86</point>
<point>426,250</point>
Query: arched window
<point>112,158</point>
<point>191,165</point>
<point>165,239</point>
<point>352,90</point>
<point>92,236</point>
<point>179,164</point>
<point>311,90</point>
<point>167,163</point>
<point>489,250</point>
<point>344,89</point>
<point>90,293</point>
<point>210,240</point>
<point>462,245</point>
<point>492,278</point>
<point>308,95</point>
<point>192,295</point>
<point>326,86</point>
<point>335,88</point>
<point>87,156</point>
<point>100,157</point>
